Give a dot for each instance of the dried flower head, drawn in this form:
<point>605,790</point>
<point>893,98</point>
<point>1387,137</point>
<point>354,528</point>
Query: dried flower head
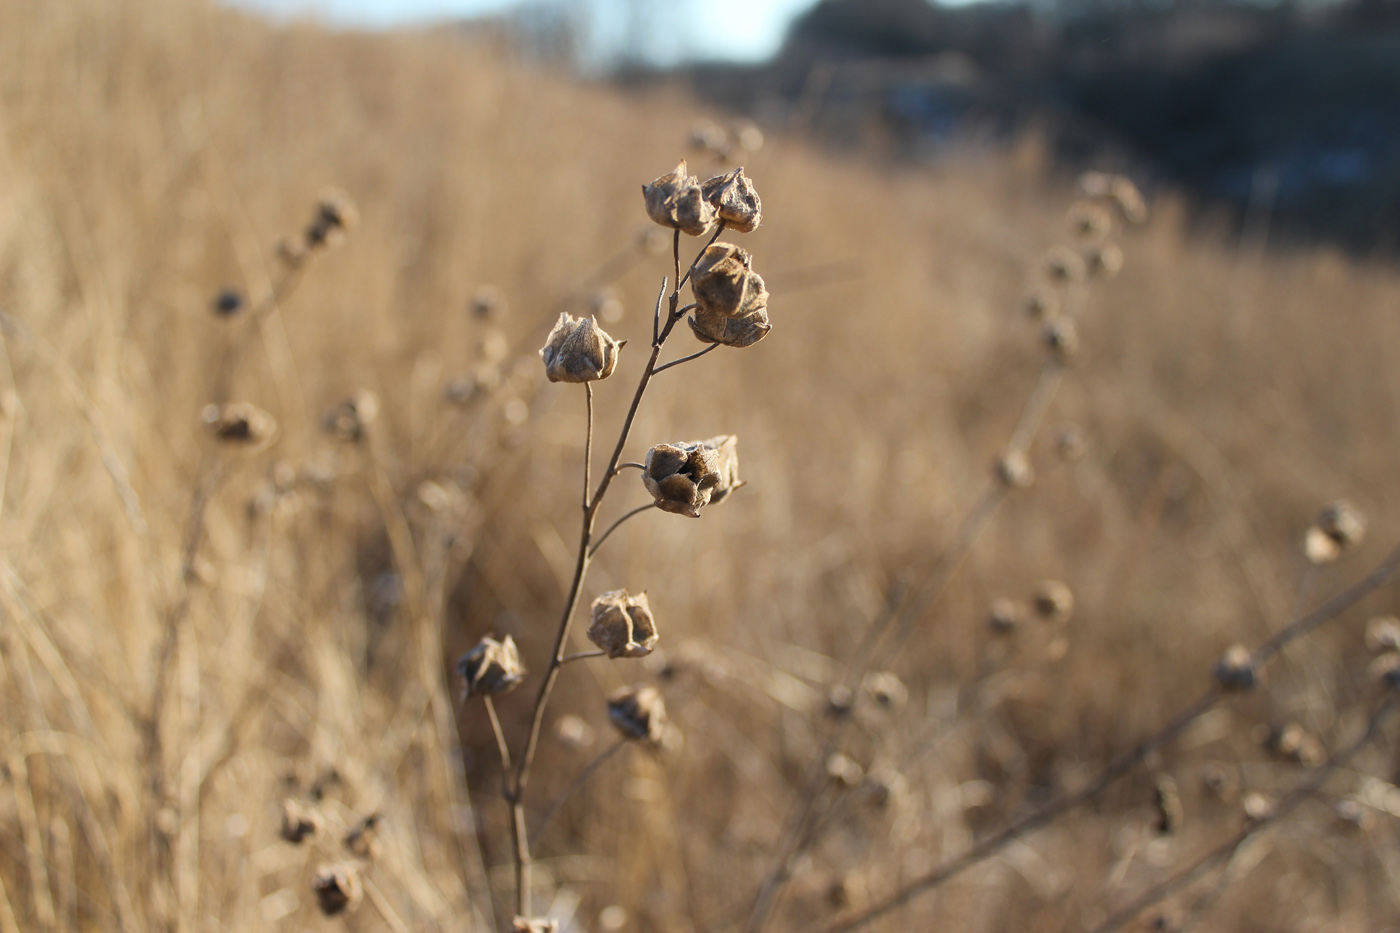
<point>349,420</point>
<point>675,200</point>
<point>1167,803</point>
<point>1292,742</point>
<point>228,302</point>
<point>1385,670</point>
<point>735,200</point>
<point>638,712</point>
<point>685,477</point>
<point>732,298</point>
<point>1005,616</point>
<point>886,689</point>
<point>1236,670</point>
<point>534,925</point>
<point>335,216</point>
<point>239,423</point>
<point>1063,264</point>
<point>1090,221</point>
<point>1061,339</point>
<point>1104,261</point>
<point>492,667</point>
<point>578,350</point>
<point>1319,547</point>
<point>1041,304</point>
<point>842,770</point>
<point>362,839</point>
<point>623,625</point>
<point>839,700</point>
<point>1014,471</point>
<point>1383,634</point>
<point>336,887</point>
<point>1341,522</point>
<point>1053,601</point>
<point>299,821</point>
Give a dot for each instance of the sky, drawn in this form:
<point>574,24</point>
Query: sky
<point>731,29</point>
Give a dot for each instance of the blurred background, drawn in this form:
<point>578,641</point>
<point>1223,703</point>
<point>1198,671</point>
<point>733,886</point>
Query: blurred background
<point>276,448</point>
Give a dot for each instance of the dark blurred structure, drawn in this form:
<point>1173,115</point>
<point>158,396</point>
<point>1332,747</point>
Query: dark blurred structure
<point>1290,107</point>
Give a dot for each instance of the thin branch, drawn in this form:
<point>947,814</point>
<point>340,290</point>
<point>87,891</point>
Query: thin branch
<point>624,466</point>
<point>686,359</point>
<point>613,527</point>
<point>576,784</point>
<point>582,655</point>
<point>588,446</point>
<point>500,735</point>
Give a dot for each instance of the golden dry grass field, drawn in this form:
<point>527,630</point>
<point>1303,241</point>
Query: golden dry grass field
<point>193,632</point>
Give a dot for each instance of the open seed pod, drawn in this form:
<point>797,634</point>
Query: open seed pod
<point>622,625</point>
<point>675,200</point>
<point>685,477</point>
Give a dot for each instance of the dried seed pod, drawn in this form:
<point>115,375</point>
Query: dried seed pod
<point>1063,264</point>
<point>721,280</point>
<point>675,200</point>
<point>1104,261</point>
<point>735,200</point>
<point>578,350</point>
<point>488,303</point>
<point>737,332</point>
<point>1167,802</point>
<point>1319,547</point>
<point>299,821</point>
<point>1292,742</point>
<point>1342,523</point>
<point>1383,634</point>
<point>1013,470</point>
<point>1061,339</point>
<point>685,477</point>
<point>491,668</point>
<point>1352,814</point>
<point>1041,304</point>
<point>335,216</point>
<point>228,302</point>
<point>1053,601</point>
<point>534,925</point>
<point>1089,220</point>
<point>336,887</point>
<point>1005,616</point>
<point>886,689</point>
<point>623,625</point>
<point>638,712</point>
<point>1257,806</point>
<point>843,770</point>
<point>839,700</point>
<point>362,839</point>
<point>1235,670</point>
<point>1385,669</point>
<point>239,423</point>
<point>349,420</point>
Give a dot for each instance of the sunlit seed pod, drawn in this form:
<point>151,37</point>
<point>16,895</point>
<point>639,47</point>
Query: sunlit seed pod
<point>362,839</point>
<point>351,419</point>
<point>879,789</point>
<point>1061,338</point>
<point>1041,304</point>
<point>335,216</point>
<point>1053,601</point>
<point>1104,261</point>
<point>534,925</point>
<point>1090,221</point>
<point>675,200</point>
<point>886,690</point>
<point>228,302</point>
<point>1005,616</point>
<point>578,350</point>
<point>1353,814</point>
<point>843,771</point>
<point>1166,801</point>
<point>1341,522</point>
<point>840,700</point>
<point>845,891</point>
<point>622,625</point>
<point>1235,669</point>
<point>1013,470</point>
<point>1256,806</point>
<point>1319,547</point>
<point>1385,670</point>
<point>735,200</point>
<point>239,423</point>
<point>492,667</point>
<point>638,712</point>
<point>737,332</point>
<point>721,279</point>
<point>685,477</point>
<point>1063,264</point>
<point>1383,634</point>
<point>488,303</point>
<point>337,887</point>
<point>299,821</point>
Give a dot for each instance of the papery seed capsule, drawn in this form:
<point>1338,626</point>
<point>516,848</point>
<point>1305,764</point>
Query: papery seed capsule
<point>675,200</point>
<point>1061,339</point>
<point>1105,261</point>
<point>335,215</point>
<point>336,887</point>
<point>1341,522</point>
<point>1063,264</point>
<point>622,625</point>
<point>1235,670</point>
<point>1013,470</point>
<point>578,350</point>
<point>1041,304</point>
<point>1319,547</point>
<point>735,200</point>
<point>1385,669</point>
<point>721,279</point>
<point>1292,742</point>
<point>239,423</point>
<point>492,667</point>
<point>228,302</point>
<point>362,839</point>
<point>1053,601</point>
<point>638,712</point>
<point>1005,616</point>
<point>886,689</point>
<point>299,821</point>
<point>685,477</point>
<point>1089,220</point>
<point>349,420</point>
<point>843,770</point>
<point>1383,634</point>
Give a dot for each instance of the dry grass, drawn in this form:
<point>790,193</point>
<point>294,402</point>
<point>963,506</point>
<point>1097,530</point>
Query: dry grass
<point>152,152</point>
